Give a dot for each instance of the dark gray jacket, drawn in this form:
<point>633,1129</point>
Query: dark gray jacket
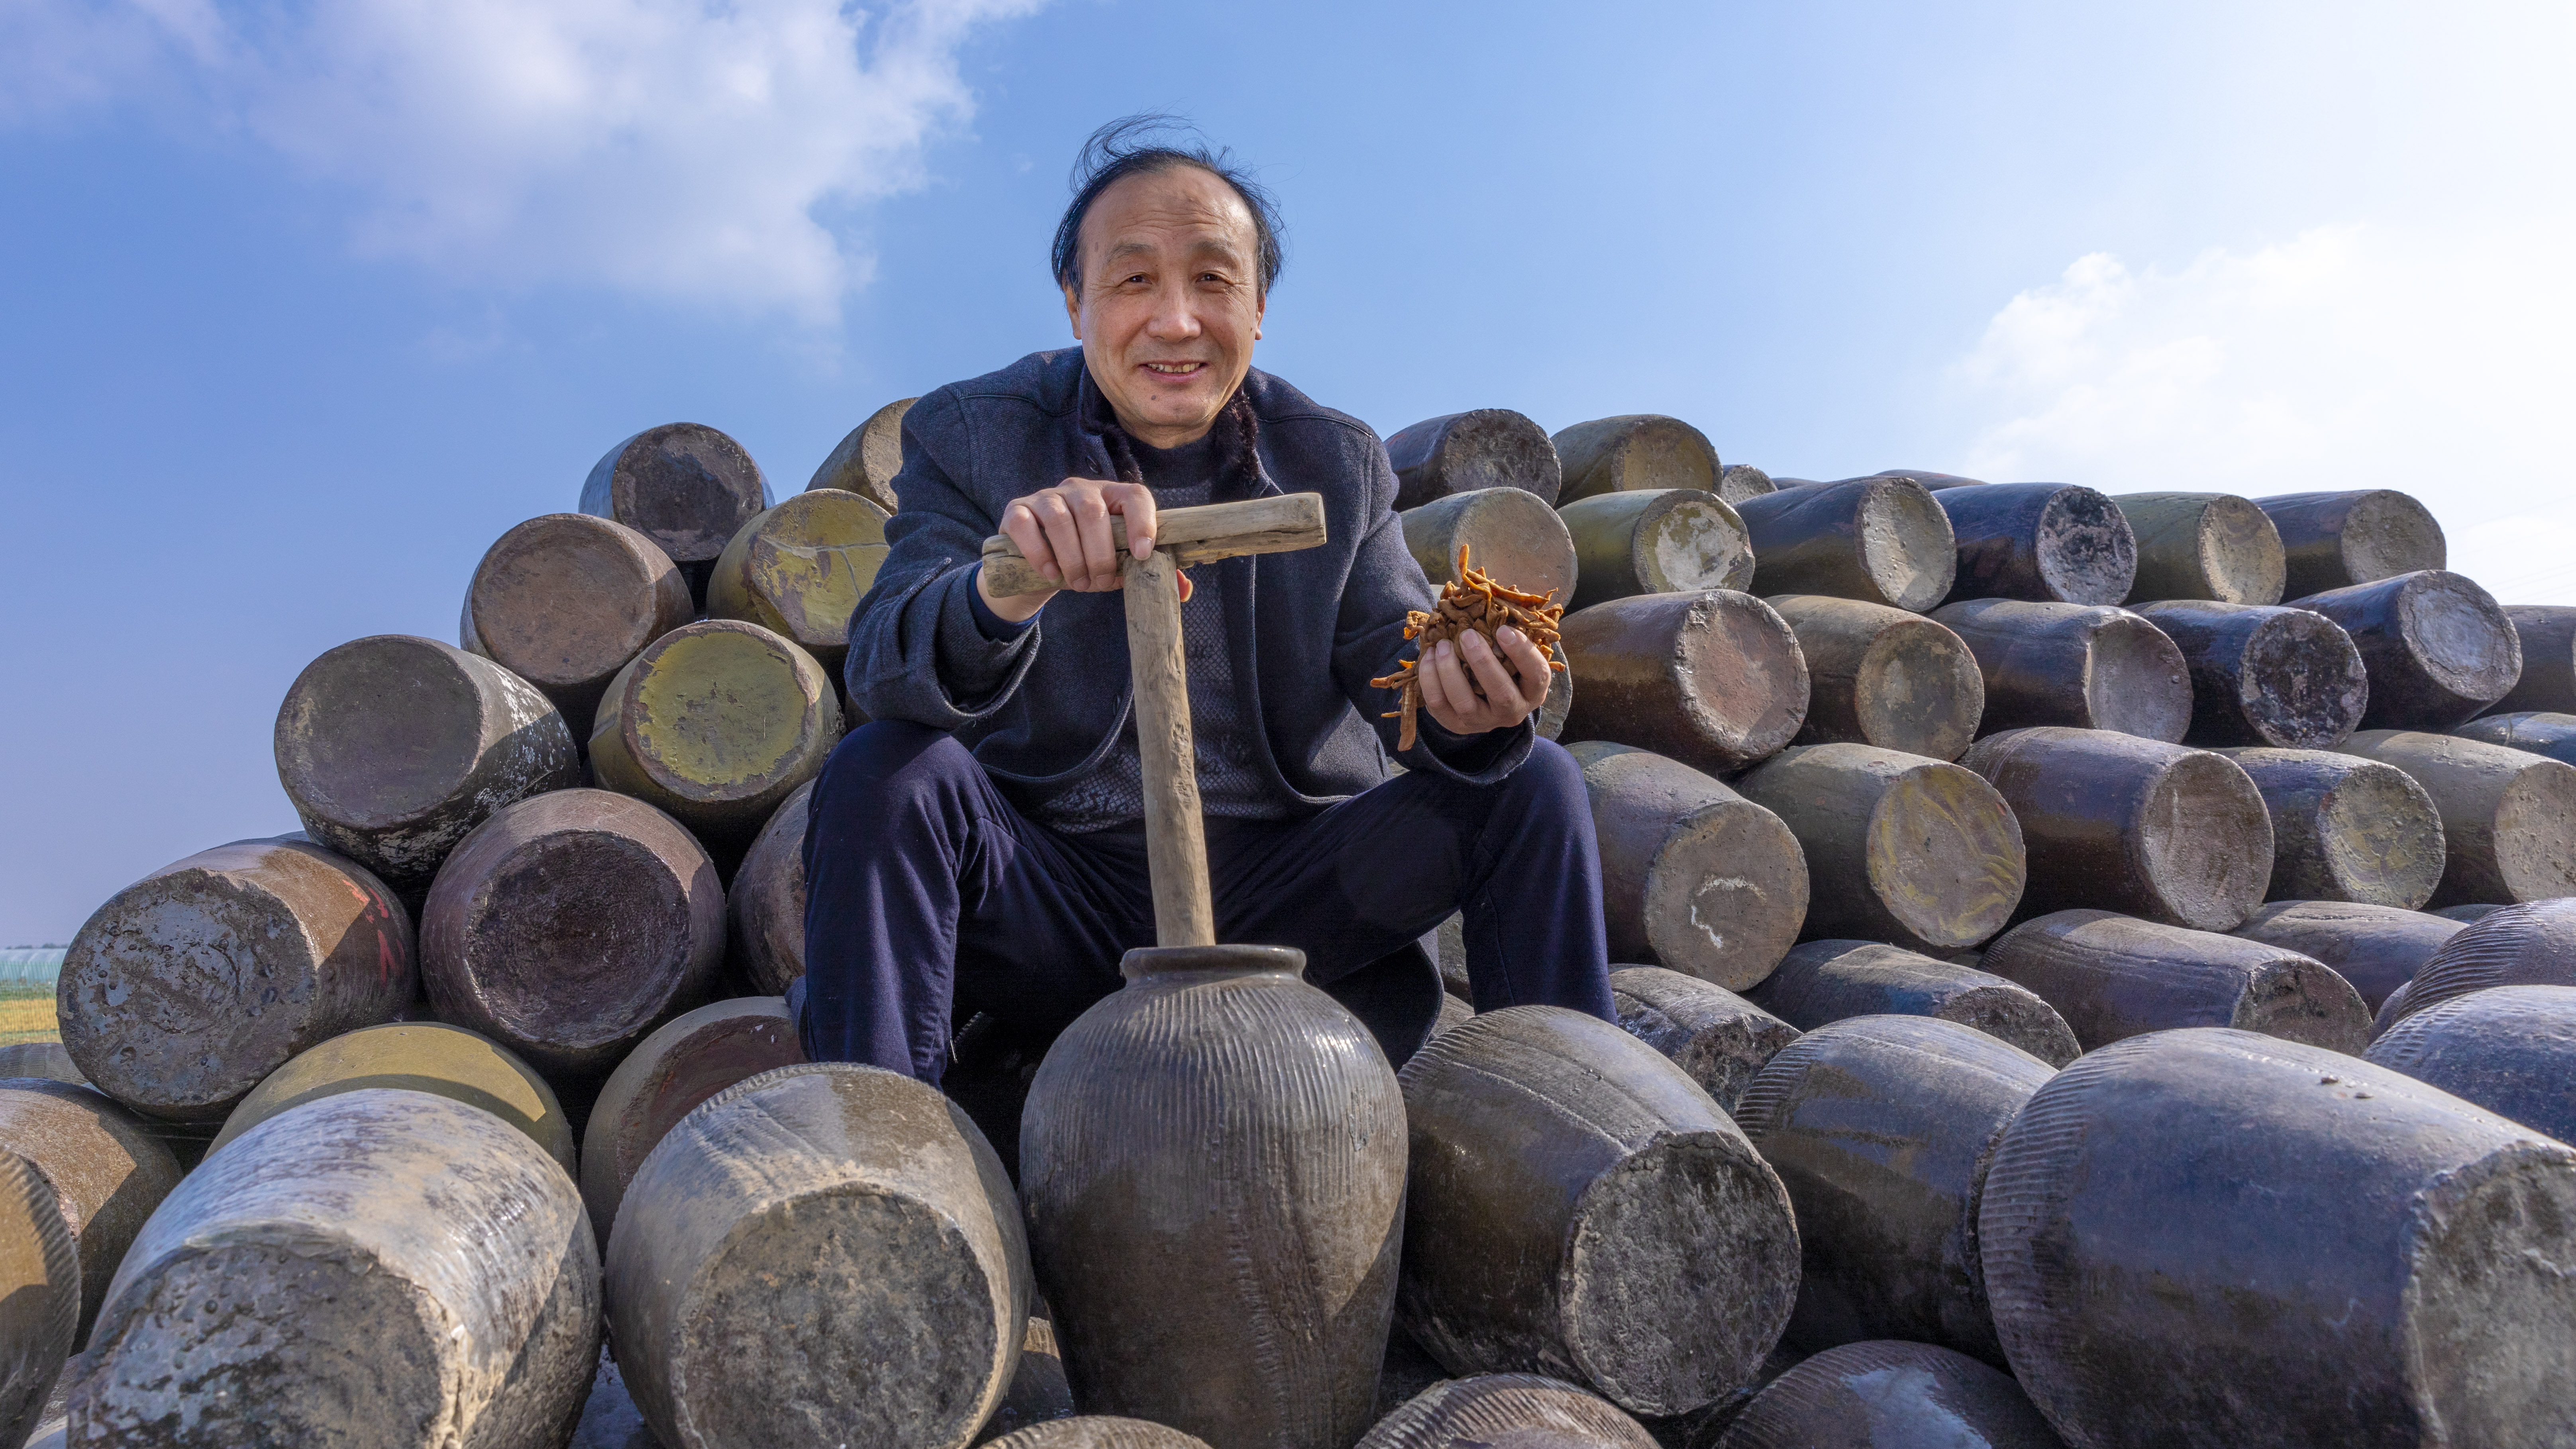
<point>1309,629</point>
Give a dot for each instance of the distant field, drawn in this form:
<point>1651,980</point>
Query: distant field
<point>27,1014</point>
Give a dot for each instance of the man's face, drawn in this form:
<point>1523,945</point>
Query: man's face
<point>1168,302</point>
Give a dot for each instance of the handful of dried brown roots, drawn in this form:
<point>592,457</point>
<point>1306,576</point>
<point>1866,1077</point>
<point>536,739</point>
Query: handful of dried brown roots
<point>1473,601</point>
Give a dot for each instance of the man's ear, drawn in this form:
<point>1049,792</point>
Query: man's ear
<point>1073,313</point>
<point>1260,309</point>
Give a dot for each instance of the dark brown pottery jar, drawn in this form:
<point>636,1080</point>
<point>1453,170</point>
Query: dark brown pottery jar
<point>1213,1163</point>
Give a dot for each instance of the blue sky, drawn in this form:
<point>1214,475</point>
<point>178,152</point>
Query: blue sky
<point>302,305</point>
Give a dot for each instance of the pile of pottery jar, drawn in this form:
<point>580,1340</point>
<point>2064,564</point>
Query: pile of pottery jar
<point>2066,994</point>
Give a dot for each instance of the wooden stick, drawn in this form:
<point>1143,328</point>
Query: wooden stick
<point>1198,535</point>
<point>1175,842</point>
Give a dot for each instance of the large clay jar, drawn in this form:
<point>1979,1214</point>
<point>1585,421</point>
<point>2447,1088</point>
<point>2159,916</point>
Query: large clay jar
<point>1213,1161</point>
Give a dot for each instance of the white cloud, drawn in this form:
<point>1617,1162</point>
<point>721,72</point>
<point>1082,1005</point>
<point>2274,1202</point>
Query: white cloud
<point>62,55</point>
<point>2432,361</point>
<point>675,148</point>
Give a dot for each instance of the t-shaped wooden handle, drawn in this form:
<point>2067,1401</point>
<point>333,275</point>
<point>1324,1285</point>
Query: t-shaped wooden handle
<point>1280,523</point>
<point>1175,839</point>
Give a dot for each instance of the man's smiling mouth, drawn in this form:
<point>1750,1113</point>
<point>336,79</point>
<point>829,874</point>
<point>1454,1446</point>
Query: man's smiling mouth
<point>1175,369</point>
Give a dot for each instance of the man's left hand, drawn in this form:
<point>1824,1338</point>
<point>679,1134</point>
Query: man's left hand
<point>1515,681</point>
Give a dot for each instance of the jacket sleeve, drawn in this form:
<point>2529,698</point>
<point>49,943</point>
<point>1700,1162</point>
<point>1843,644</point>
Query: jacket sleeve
<point>1385,584</point>
<point>916,652</point>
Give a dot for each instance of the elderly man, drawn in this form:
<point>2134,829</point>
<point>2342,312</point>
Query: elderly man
<point>978,850</point>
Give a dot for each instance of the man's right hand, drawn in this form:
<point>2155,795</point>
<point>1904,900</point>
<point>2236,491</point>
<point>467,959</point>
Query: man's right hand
<point>1064,534</point>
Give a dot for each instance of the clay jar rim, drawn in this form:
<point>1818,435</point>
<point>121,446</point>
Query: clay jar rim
<point>1145,962</point>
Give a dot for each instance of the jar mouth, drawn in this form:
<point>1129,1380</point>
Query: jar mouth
<point>1146,961</point>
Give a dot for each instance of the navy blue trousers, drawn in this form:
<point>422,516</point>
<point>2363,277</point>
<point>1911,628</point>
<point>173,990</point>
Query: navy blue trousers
<point>930,898</point>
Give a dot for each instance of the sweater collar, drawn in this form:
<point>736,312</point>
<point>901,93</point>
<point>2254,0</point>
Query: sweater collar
<point>1236,432</point>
